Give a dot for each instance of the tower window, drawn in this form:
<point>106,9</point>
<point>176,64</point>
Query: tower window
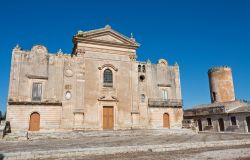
<point>107,78</point>
<point>143,69</point>
<point>214,96</point>
<point>37,92</point>
<point>139,68</point>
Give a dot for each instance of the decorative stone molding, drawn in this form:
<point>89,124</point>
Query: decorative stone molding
<point>80,52</point>
<point>59,51</point>
<point>17,47</point>
<point>79,111</point>
<point>68,72</point>
<point>46,103</point>
<point>39,49</point>
<point>148,62</point>
<point>68,87</point>
<point>68,95</point>
<point>132,57</point>
<point>164,85</point>
<point>36,77</point>
<point>135,112</point>
<point>162,62</point>
<point>107,66</point>
<point>110,98</point>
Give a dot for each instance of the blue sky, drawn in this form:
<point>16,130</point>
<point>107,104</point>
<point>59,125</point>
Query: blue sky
<point>196,34</point>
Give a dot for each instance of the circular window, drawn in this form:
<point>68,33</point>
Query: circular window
<point>68,95</point>
<point>142,77</point>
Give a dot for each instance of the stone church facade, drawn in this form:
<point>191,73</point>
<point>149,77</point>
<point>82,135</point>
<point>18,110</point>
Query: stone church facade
<point>100,85</point>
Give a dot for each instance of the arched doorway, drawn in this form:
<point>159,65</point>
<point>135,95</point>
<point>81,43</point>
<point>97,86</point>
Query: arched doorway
<point>248,123</point>
<point>166,120</point>
<point>221,124</point>
<point>199,124</point>
<point>34,122</point>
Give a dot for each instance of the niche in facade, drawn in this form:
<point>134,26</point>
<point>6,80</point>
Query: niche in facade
<point>142,77</point>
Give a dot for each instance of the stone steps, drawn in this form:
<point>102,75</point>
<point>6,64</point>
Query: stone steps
<point>78,134</point>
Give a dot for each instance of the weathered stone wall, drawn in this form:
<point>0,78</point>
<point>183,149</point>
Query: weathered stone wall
<point>19,116</point>
<point>221,84</point>
<point>241,124</point>
<point>156,117</point>
<point>96,96</point>
<point>158,78</point>
<point>73,93</point>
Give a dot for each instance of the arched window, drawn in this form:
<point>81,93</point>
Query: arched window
<point>143,69</point>
<point>107,78</point>
<point>139,68</point>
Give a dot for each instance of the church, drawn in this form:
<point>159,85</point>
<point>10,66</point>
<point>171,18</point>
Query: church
<point>99,86</point>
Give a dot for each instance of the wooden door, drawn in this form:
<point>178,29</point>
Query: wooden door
<point>34,122</point>
<point>108,118</point>
<point>165,120</point>
<point>248,123</point>
<point>221,124</point>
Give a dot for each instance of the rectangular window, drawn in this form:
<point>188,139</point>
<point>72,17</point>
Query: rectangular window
<point>164,94</point>
<point>233,120</point>
<point>37,92</point>
<point>209,122</point>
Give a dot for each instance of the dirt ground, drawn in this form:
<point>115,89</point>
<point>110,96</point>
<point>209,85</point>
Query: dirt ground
<point>226,153</point>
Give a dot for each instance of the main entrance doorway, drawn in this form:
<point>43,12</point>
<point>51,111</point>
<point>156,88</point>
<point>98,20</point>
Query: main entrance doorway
<point>108,117</point>
<point>248,123</point>
<point>34,122</point>
<point>166,120</point>
<point>221,124</point>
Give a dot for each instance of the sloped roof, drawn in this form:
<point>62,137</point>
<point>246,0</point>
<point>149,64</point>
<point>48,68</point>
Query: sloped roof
<point>218,108</point>
<point>236,103</point>
<point>240,109</point>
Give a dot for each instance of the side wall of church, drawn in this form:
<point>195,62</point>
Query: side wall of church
<point>35,66</point>
<point>156,83</point>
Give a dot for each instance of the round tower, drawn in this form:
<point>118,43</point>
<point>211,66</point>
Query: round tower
<point>221,84</point>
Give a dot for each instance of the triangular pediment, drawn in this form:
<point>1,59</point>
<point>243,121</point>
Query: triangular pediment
<point>106,36</point>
